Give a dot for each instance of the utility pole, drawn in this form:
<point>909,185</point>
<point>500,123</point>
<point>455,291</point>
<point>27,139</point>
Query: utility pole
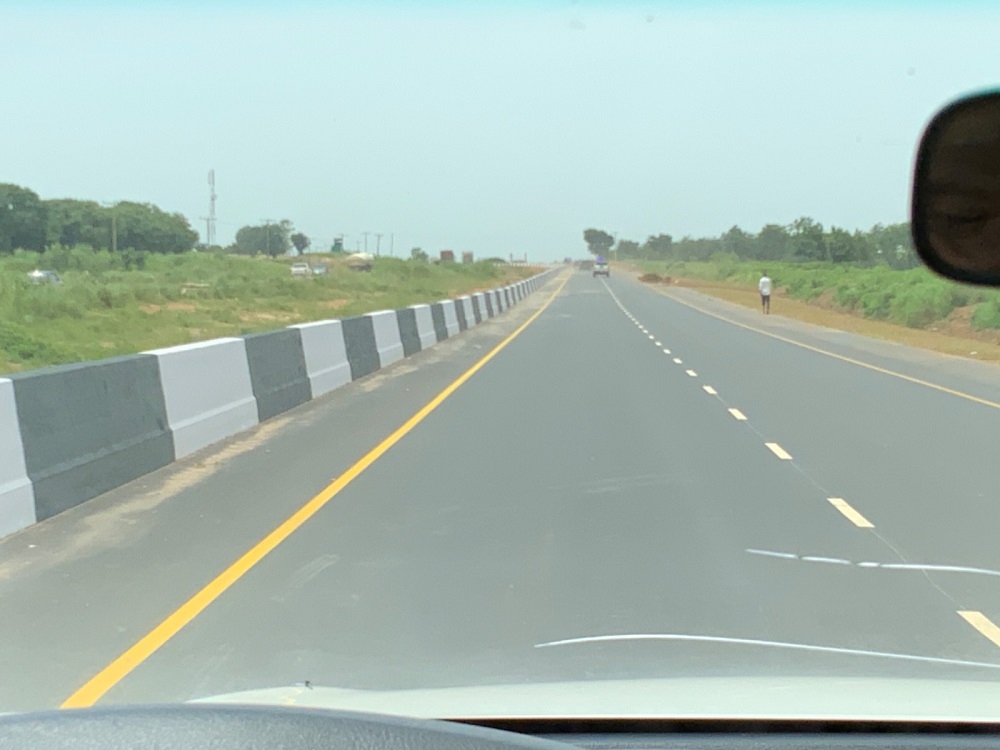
<point>378,243</point>
<point>114,224</point>
<point>366,240</point>
<point>210,221</point>
<point>267,236</point>
<point>392,244</point>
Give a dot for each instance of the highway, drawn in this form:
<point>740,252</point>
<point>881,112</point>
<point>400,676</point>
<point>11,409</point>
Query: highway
<point>639,483</point>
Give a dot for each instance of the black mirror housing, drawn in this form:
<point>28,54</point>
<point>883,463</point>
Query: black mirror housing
<point>955,207</point>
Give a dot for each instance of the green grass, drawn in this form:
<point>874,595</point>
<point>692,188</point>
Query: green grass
<point>915,298</point>
<point>110,305</point>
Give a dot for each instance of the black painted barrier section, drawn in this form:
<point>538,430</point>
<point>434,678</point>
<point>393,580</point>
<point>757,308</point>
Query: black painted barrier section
<point>440,327</point>
<point>90,427</point>
<point>277,371</point>
<point>488,296</point>
<point>476,312</point>
<point>463,324</point>
<point>359,341</point>
<point>406,319</point>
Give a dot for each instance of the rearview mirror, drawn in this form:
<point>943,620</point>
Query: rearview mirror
<point>956,191</point>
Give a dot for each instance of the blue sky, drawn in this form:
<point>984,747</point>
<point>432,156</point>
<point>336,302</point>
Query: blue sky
<point>497,129</point>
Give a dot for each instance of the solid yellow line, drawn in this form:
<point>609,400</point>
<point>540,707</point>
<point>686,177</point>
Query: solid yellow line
<point>738,414</point>
<point>108,677</point>
<point>983,624</point>
<point>841,357</point>
<point>852,515</point>
<point>779,451</point>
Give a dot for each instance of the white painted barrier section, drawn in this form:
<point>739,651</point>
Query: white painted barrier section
<point>325,355</point>
<point>450,317</point>
<point>425,325</point>
<point>387,340</point>
<point>470,314</point>
<point>207,391</point>
<point>17,496</point>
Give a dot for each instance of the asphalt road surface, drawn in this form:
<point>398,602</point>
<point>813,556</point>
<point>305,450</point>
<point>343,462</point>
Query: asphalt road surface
<point>641,483</point>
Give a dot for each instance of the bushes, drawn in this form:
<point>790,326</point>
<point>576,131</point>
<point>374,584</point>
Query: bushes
<point>19,345</point>
<point>986,315</point>
<point>915,297</point>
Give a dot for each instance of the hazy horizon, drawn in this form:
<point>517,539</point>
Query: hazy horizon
<point>497,130</point>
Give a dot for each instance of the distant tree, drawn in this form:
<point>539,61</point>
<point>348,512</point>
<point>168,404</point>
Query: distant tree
<point>772,242</point>
<point>22,219</point>
<point>893,245</point>
<point>627,249</point>
<point>300,242</point>
<point>806,240</point>
<point>660,247</point>
<point>418,254</point>
<point>739,243</point>
<point>598,241</point>
<point>266,239</point>
<point>73,222</point>
<point>143,226</point>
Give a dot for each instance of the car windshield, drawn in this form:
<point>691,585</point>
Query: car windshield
<point>457,358</point>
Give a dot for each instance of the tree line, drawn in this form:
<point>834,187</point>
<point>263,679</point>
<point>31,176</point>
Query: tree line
<point>802,240</point>
<point>29,223</point>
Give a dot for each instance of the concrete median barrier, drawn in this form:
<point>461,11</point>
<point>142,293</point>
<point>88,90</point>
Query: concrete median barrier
<point>425,325</point>
<point>440,325</point>
<point>359,340</point>
<point>88,428</point>
<point>469,314</point>
<point>463,323</point>
<point>201,409</point>
<point>450,317</point>
<point>406,321</point>
<point>17,496</point>
<point>70,433</point>
<point>325,355</point>
<point>478,311</point>
<point>385,324</point>
<point>277,371</point>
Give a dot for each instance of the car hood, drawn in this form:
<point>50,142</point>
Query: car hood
<point>683,698</point>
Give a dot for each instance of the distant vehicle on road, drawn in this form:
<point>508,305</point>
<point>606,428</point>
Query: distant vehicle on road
<point>44,277</point>
<point>601,268</point>
<point>301,269</point>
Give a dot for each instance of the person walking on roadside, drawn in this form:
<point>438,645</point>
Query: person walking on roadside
<point>764,287</point>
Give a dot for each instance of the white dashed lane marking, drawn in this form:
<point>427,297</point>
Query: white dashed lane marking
<point>779,451</point>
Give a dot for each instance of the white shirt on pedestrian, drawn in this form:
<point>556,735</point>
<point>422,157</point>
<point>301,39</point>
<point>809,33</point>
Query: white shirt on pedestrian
<point>765,286</point>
